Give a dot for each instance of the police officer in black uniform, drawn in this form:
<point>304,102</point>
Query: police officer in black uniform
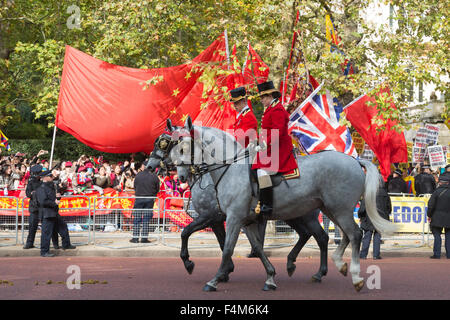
<point>424,183</point>
<point>146,184</point>
<point>439,214</point>
<point>384,208</point>
<point>396,184</point>
<point>33,183</point>
<point>48,213</point>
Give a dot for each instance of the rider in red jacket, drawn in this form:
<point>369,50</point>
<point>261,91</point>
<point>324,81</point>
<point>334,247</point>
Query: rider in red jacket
<point>246,125</point>
<point>246,131</point>
<point>278,155</point>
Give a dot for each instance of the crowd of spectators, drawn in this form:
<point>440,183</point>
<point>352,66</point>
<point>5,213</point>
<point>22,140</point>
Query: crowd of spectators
<point>418,180</point>
<point>84,175</point>
<point>88,174</point>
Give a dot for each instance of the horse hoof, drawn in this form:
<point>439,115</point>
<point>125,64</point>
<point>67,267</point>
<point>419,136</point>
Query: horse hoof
<point>291,270</point>
<point>268,287</point>
<point>316,279</point>
<point>189,267</point>
<point>344,269</point>
<point>358,286</point>
<point>208,288</point>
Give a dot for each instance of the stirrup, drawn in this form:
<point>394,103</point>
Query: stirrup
<point>257,209</point>
<point>266,210</point>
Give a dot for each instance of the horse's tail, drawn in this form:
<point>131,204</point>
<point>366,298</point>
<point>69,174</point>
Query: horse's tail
<point>372,183</point>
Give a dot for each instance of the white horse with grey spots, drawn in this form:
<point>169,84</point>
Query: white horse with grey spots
<point>330,181</point>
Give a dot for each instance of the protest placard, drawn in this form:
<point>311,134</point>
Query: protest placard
<point>418,152</point>
<point>409,146</point>
<point>432,134</point>
<point>358,142</point>
<point>436,156</point>
<point>421,135</point>
<point>367,153</point>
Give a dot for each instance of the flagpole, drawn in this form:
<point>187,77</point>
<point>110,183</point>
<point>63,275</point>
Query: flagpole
<point>53,146</point>
<point>285,85</point>
<point>227,49</point>
<point>246,58</point>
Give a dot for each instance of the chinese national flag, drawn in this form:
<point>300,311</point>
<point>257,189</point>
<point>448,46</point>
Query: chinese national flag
<point>123,110</point>
<point>255,70</point>
<point>220,113</point>
<point>388,145</point>
<point>217,111</point>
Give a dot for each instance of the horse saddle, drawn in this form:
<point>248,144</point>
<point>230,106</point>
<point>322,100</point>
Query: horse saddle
<point>275,178</point>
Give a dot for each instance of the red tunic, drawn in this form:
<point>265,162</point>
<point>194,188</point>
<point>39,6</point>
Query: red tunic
<point>275,117</point>
<point>245,121</point>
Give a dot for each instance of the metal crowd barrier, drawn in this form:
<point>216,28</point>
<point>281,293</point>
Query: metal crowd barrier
<point>414,226</point>
<point>110,223</point>
<point>9,222</point>
<point>278,234</point>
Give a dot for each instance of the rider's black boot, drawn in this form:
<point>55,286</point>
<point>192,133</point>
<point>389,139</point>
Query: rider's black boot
<point>266,201</point>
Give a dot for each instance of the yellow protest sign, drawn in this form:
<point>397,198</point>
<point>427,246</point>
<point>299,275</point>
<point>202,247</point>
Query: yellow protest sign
<point>409,146</point>
<point>358,142</point>
<point>410,213</point>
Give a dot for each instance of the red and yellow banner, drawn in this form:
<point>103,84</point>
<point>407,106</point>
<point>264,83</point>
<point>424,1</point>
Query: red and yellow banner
<point>77,205</point>
<point>111,200</point>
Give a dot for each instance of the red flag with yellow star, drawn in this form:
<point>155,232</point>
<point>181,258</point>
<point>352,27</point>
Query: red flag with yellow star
<point>123,110</point>
<point>255,70</point>
<point>217,111</point>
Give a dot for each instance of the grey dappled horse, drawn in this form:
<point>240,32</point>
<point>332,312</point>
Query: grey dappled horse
<point>204,197</point>
<point>330,181</point>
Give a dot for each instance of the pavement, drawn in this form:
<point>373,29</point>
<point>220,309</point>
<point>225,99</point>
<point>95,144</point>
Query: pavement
<point>203,244</point>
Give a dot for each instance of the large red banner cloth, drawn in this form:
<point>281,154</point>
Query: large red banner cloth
<point>123,110</point>
<point>388,145</point>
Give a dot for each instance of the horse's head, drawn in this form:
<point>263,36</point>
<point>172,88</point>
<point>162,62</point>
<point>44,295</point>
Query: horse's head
<point>199,147</point>
<point>161,149</point>
<point>182,154</point>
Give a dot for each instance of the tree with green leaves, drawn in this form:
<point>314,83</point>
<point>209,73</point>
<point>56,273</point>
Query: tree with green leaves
<point>153,34</point>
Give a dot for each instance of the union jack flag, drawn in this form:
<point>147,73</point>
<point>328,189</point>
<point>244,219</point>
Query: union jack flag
<point>315,124</point>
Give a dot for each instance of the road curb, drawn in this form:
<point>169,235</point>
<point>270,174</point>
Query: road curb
<point>161,251</point>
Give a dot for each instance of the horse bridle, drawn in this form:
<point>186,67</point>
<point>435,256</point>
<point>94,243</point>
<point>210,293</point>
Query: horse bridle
<point>203,169</point>
<point>199,170</point>
<point>162,147</point>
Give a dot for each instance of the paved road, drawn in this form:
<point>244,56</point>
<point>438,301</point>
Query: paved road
<point>166,279</point>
